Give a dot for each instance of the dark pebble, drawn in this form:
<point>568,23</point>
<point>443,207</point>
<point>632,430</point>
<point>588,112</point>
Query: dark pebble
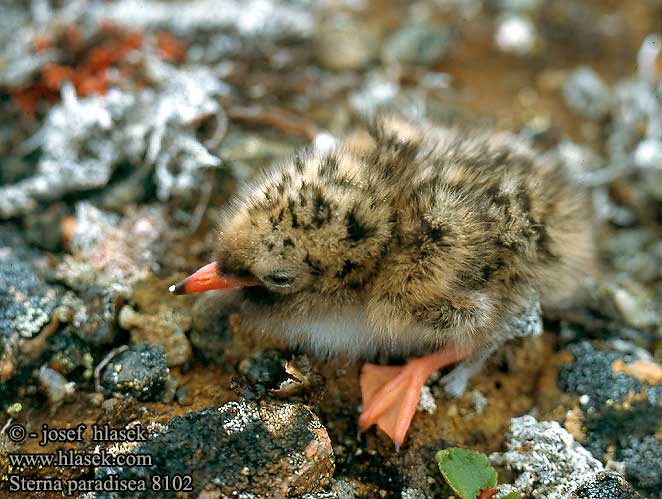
<point>140,372</point>
<point>210,329</point>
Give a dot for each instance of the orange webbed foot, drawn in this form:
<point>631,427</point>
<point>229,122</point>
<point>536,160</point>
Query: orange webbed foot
<point>391,393</point>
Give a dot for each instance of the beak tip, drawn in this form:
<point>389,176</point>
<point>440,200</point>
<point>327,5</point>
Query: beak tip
<point>178,288</point>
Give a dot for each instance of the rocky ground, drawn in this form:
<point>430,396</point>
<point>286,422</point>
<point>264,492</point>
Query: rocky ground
<point>127,125</point>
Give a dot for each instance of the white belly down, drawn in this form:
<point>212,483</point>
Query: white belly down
<point>349,333</point>
<point>346,333</point>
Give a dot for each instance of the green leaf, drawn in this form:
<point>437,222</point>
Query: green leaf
<point>466,471</point>
<point>512,495</point>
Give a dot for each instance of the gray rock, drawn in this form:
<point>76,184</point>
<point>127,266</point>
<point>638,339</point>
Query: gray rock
<point>621,411</point>
<point>643,462</point>
<point>587,94</point>
<point>140,372</point>
<point>604,485</point>
<point>417,44</point>
<point>548,461</point>
<point>26,302</point>
<point>241,449</point>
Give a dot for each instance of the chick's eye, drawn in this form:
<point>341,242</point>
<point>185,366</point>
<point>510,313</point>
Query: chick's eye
<point>279,279</point>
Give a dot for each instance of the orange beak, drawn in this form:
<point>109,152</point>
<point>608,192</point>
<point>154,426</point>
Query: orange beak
<point>205,279</point>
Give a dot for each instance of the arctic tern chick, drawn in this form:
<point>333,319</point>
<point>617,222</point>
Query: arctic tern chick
<point>406,239</point>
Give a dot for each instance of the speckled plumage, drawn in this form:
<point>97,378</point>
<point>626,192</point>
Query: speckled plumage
<point>404,238</point>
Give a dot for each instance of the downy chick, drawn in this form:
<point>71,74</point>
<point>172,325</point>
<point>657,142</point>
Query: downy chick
<point>406,239</point>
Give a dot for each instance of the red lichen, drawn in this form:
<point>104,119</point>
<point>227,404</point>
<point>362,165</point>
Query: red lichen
<point>170,48</point>
<point>89,61</point>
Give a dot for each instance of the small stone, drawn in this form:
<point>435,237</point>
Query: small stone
<point>516,34</point>
<point>167,329</point>
<point>140,372</point>
<point>592,374</point>
<point>57,388</point>
<point>586,94</point>
<point>417,44</point>
<point>300,377</point>
<point>183,396</point>
<point>241,449</point>
<point>604,485</point>
<point>169,390</point>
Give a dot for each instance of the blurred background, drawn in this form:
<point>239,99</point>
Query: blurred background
<point>126,125</point>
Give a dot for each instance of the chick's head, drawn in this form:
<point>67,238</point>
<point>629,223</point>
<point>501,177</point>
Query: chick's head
<point>312,224</point>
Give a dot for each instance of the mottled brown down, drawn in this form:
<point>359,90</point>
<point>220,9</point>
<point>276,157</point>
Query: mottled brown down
<point>404,238</point>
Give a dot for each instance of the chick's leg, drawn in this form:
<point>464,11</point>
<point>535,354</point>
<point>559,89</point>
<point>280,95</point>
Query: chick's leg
<point>391,393</point>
